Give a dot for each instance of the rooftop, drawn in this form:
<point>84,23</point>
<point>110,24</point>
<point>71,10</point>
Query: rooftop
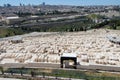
<point>69,55</point>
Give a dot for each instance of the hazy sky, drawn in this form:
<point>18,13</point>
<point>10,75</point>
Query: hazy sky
<point>63,2</point>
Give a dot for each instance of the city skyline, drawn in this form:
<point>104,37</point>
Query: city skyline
<point>61,2</point>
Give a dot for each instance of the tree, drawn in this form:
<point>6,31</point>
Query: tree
<point>32,74</point>
<point>2,70</point>
<point>114,27</point>
<point>70,76</point>
<point>43,75</point>
<point>21,71</point>
<point>11,72</point>
<point>56,75</point>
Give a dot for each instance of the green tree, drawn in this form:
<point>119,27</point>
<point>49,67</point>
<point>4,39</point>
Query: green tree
<point>32,74</point>
<point>2,70</point>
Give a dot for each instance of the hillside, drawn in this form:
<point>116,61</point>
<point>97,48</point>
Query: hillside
<point>73,25</point>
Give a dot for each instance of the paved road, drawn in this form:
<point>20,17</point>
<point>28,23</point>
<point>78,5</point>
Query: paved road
<point>9,79</point>
<point>57,66</point>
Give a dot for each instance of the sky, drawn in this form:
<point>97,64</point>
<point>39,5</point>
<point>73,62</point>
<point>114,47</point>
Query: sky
<point>62,2</point>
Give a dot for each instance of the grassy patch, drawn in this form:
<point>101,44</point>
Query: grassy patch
<point>6,32</point>
<point>88,75</point>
